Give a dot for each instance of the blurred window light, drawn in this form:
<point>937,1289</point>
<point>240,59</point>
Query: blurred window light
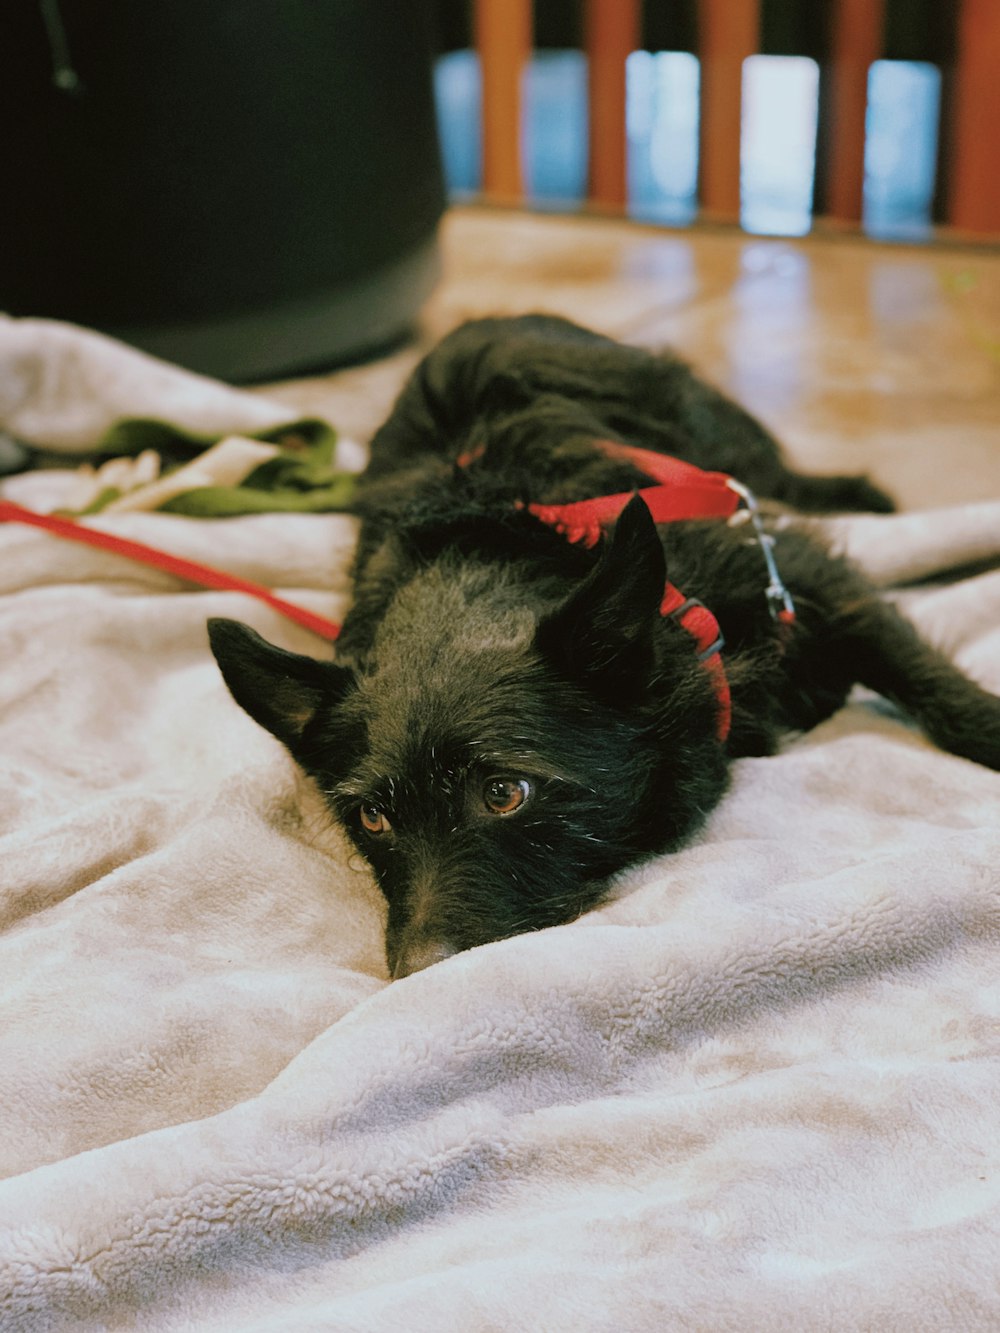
<point>901,128</point>
<point>553,136</point>
<point>661,116</point>
<point>778,138</point>
<point>778,144</point>
<point>555,110</point>
<point>458,94</point>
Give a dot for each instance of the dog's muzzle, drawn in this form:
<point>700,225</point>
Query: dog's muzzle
<point>418,955</point>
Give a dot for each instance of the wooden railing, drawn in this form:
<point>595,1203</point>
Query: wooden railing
<point>728,34</point>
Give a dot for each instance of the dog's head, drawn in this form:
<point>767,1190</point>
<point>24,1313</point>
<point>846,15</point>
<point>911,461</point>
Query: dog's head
<point>497,760</point>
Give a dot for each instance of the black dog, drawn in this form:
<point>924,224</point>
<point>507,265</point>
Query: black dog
<point>511,720</point>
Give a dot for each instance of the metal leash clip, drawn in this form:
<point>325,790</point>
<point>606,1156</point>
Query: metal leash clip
<point>779,599</point>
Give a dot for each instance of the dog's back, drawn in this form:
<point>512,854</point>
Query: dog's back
<point>538,375</point>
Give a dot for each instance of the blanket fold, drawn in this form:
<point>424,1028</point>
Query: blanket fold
<point>69,390</point>
<point>65,388</point>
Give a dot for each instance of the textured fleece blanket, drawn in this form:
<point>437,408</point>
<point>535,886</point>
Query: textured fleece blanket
<point>63,388</point>
<point>758,1090</point>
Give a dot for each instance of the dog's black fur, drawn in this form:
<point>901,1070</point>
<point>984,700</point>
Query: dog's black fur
<point>488,663</point>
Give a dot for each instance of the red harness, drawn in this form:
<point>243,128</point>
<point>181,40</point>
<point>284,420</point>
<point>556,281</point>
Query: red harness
<point>682,492</point>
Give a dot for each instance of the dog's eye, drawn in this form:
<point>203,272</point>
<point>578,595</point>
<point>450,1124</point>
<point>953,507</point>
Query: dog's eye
<point>373,820</point>
<point>502,796</point>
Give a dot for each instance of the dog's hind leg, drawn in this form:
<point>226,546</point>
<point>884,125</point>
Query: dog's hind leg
<point>830,494</point>
<point>658,402</point>
<point>844,634</point>
<point>955,712</point>
<point>883,651</point>
<point>724,437</point>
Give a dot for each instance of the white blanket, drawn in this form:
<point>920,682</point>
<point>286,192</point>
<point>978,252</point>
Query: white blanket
<point>62,387</point>
<point>759,1090</point>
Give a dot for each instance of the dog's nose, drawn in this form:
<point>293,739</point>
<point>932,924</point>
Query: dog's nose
<point>420,954</point>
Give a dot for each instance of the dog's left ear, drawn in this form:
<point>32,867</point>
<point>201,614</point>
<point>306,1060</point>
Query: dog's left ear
<point>282,691</point>
<point>603,634</point>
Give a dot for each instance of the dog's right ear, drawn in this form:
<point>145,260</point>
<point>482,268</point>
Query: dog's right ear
<point>603,635</point>
<point>282,691</point>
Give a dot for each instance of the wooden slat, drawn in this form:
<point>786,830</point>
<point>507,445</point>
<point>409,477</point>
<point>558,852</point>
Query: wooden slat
<point>856,35</point>
<point>729,32</point>
<point>975,124</point>
<point>611,33</point>
<point>503,39</point>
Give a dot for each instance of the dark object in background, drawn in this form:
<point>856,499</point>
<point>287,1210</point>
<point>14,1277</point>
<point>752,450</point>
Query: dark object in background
<point>247,187</point>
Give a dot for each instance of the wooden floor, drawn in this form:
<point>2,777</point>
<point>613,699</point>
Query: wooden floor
<point>860,356</point>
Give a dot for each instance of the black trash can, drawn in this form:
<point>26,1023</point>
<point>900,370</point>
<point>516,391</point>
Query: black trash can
<point>246,187</point>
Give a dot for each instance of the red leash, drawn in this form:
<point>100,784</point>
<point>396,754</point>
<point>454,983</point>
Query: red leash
<point>190,570</point>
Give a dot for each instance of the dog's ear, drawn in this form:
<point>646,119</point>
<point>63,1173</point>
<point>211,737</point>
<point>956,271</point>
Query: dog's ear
<point>282,691</point>
<point>603,634</point>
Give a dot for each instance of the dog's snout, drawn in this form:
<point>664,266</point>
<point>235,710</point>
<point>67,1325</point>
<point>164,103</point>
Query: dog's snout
<point>418,955</point>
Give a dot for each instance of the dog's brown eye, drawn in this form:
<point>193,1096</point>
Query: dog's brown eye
<point>373,820</point>
<point>505,795</point>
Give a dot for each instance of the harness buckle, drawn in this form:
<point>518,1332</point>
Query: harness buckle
<point>706,649</point>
